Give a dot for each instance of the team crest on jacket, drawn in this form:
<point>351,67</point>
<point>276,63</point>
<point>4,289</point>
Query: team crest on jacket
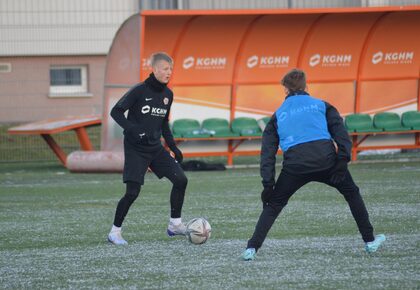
<point>165,101</point>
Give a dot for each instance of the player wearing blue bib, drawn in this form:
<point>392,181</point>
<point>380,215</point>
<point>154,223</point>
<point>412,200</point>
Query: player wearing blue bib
<point>316,147</point>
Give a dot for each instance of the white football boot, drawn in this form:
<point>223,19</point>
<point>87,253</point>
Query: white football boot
<point>174,230</point>
<point>116,238</point>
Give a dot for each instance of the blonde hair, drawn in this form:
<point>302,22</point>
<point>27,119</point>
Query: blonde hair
<point>158,56</point>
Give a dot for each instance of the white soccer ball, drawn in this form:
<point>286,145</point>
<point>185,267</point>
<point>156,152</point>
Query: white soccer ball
<point>198,231</point>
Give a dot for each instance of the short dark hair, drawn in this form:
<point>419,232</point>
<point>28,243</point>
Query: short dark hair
<point>157,56</point>
<point>294,80</point>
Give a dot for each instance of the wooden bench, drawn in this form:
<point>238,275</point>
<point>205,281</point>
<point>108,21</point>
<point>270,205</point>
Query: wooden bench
<point>359,138</point>
<point>48,127</point>
<point>233,144</point>
<point>357,146</point>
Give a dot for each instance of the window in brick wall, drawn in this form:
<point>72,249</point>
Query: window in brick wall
<point>68,81</point>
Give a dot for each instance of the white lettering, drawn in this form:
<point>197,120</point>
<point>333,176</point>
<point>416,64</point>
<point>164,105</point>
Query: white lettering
<point>274,60</point>
<point>208,61</point>
<point>409,55</point>
<point>396,57</point>
<point>158,111</point>
<point>305,109</point>
<point>393,56</point>
<point>336,58</point>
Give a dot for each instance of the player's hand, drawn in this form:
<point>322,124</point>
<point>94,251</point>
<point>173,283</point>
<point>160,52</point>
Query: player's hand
<point>266,194</point>
<point>178,154</point>
<point>339,171</point>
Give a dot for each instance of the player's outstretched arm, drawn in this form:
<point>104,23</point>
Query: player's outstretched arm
<point>269,148</point>
<point>338,133</point>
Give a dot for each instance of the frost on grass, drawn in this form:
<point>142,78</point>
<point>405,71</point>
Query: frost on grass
<point>54,230</point>
<point>301,263</point>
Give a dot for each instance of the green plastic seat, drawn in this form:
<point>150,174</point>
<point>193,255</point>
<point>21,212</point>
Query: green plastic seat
<point>360,123</point>
<point>218,127</point>
<point>263,122</point>
<point>388,121</point>
<point>188,128</point>
<point>246,126</point>
<point>175,134</point>
<point>411,119</point>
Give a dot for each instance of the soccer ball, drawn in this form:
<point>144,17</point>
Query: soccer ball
<point>198,231</point>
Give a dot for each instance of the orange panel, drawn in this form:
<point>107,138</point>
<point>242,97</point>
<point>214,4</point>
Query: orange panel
<point>386,95</point>
<point>208,50</point>
<point>394,49</point>
<point>213,96</point>
<point>340,95</point>
<point>259,99</point>
<point>333,49</point>
<point>265,99</point>
<point>161,34</point>
<point>272,47</point>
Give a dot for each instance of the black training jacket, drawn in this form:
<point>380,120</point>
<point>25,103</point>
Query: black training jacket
<point>306,157</point>
<point>148,106</point>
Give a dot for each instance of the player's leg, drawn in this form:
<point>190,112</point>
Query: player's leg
<point>166,166</point>
<point>135,167</point>
<point>131,194</point>
<point>287,184</point>
<point>351,193</point>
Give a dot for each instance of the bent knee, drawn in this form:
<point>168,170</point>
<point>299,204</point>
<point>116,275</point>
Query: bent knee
<point>132,190</point>
<point>350,192</point>
<point>181,182</point>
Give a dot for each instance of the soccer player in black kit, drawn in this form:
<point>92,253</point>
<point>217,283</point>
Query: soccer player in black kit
<point>148,106</point>
<point>306,130</point>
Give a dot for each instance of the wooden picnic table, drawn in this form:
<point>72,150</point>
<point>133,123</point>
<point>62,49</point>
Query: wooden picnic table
<point>46,128</point>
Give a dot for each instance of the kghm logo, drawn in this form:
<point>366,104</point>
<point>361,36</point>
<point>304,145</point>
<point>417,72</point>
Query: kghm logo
<point>282,116</point>
<point>315,60</point>
<point>159,112</point>
<point>267,61</point>
<point>204,62</point>
<point>188,62</point>
<point>330,60</point>
<point>306,109</point>
<point>145,109</point>
<point>402,57</point>
<point>252,61</point>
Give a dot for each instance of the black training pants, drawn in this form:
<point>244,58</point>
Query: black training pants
<point>162,165</point>
<point>288,183</point>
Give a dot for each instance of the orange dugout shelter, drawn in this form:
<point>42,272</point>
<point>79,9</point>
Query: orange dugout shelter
<point>229,63</point>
